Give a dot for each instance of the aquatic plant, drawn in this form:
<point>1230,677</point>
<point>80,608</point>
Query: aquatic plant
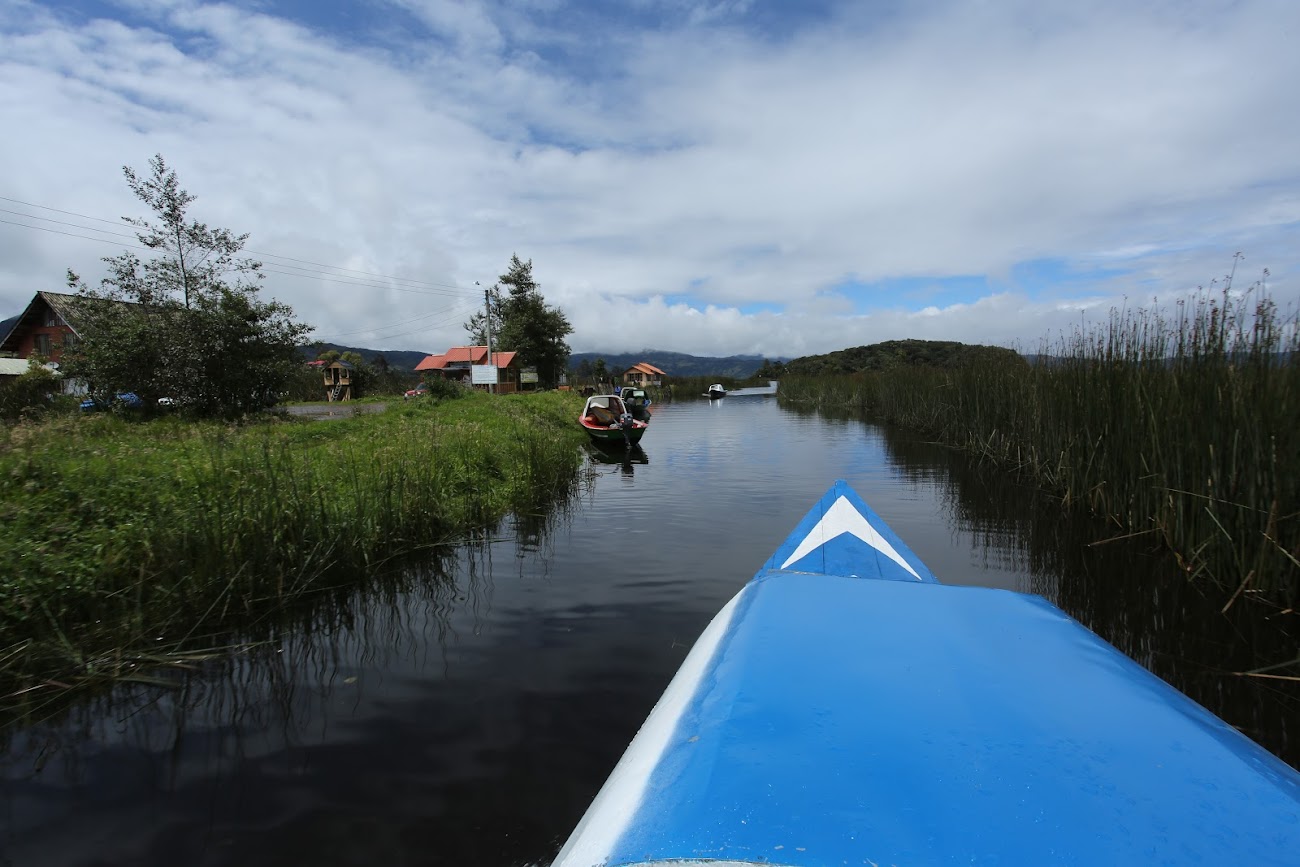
<point>1178,424</point>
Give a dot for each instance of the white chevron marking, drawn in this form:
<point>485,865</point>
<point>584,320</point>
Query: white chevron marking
<point>842,518</point>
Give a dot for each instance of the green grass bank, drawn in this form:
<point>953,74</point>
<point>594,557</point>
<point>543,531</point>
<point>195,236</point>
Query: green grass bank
<point>1184,425</point>
<point>123,536</point>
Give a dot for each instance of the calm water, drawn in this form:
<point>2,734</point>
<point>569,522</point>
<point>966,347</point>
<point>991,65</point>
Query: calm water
<point>467,711</point>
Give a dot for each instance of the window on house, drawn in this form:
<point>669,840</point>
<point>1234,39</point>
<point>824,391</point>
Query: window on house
<point>69,340</point>
<point>41,344</point>
<point>52,319</point>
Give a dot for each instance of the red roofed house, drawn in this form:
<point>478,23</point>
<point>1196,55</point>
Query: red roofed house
<point>45,328</point>
<point>454,365</point>
<point>642,374</point>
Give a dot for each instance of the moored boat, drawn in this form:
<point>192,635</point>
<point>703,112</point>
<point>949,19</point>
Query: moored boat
<point>845,707</point>
<point>606,419</point>
<point>637,402</point>
<point>715,391</point>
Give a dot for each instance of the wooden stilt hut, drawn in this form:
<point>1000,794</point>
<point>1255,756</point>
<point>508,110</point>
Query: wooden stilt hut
<point>338,381</point>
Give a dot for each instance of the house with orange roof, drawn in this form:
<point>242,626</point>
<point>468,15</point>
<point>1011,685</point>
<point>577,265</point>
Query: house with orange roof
<point>642,374</point>
<point>457,363</point>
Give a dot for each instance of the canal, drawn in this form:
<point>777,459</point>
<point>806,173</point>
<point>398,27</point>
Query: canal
<point>465,709</point>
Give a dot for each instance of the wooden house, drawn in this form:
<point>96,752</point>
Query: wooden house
<point>338,380</point>
<point>643,374</point>
<point>47,328</point>
<point>458,362</point>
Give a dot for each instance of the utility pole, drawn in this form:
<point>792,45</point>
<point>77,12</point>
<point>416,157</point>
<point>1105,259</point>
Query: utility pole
<point>487,303</point>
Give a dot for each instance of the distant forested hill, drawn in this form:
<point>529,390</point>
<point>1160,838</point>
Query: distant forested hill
<point>901,353</point>
<point>674,363</point>
<point>6,324</point>
<point>402,359</point>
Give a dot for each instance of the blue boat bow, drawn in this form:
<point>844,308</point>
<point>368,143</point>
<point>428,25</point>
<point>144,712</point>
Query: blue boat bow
<point>848,708</point>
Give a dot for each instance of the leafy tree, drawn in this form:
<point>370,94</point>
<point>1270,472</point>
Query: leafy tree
<point>363,375</point>
<point>524,323</point>
<point>599,369</point>
<point>193,327</point>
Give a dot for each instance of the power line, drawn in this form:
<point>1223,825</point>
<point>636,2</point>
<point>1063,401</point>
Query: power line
<point>254,252</point>
<point>62,223</point>
<point>422,328</point>
<point>459,306</point>
<point>306,274</point>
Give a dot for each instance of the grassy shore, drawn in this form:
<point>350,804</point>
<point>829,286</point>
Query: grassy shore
<point>1181,425</point>
<point>121,536</point>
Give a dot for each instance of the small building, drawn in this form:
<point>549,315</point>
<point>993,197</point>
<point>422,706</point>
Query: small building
<point>338,381</point>
<point>12,368</point>
<point>457,365</point>
<point>643,374</point>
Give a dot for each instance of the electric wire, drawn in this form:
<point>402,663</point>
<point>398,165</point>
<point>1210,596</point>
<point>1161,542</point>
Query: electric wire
<point>411,280</point>
<point>462,305</point>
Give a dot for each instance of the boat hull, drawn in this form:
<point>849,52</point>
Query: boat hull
<point>616,436</point>
<point>847,707</point>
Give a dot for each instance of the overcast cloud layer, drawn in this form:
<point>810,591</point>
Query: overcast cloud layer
<point>705,177</point>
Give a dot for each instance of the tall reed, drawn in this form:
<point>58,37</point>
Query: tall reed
<point>120,535</point>
<point>1182,424</point>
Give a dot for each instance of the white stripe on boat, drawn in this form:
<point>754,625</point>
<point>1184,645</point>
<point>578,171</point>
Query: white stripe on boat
<point>839,519</point>
<point>616,805</point>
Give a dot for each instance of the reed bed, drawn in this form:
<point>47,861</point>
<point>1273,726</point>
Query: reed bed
<point>1184,425</point>
<point>125,538</point>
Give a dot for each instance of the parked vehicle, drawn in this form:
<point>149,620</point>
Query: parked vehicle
<point>420,390</point>
<point>122,400</point>
<point>848,708</point>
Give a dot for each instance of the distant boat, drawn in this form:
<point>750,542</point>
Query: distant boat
<point>715,391</point>
<point>848,708</point>
<point>755,391</point>
<point>606,419</point>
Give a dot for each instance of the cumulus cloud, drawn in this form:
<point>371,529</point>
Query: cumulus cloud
<point>668,167</point>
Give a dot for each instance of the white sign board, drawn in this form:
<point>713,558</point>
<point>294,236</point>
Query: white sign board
<point>483,374</point>
<point>527,376</point>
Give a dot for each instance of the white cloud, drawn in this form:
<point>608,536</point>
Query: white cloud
<point>703,159</point>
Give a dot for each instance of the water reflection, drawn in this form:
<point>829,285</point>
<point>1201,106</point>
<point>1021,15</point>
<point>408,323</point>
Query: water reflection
<point>465,710</point>
<point>322,738</point>
<point>1127,590</point>
<point>626,458</point>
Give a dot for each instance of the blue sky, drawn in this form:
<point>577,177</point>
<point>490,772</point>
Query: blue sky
<point>734,176</point>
